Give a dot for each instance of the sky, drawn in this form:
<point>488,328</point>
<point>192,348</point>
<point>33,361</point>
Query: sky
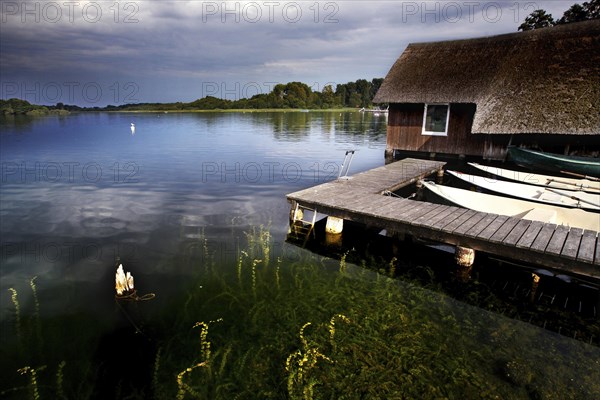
<point>95,53</point>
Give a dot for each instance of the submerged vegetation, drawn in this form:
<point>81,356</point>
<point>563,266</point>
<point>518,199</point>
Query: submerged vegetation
<point>300,327</point>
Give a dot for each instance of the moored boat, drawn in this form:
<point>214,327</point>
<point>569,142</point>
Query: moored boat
<point>540,194</point>
<point>582,166</point>
<point>523,209</point>
<point>375,110</point>
<point>586,185</point>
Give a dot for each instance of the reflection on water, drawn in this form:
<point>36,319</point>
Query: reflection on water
<point>194,206</point>
<point>87,183</point>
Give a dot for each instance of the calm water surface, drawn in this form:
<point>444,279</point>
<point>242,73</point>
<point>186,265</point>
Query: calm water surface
<point>176,203</point>
<point>79,191</point>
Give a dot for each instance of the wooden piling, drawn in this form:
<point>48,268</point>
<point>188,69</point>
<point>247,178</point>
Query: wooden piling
<point>464,256</point>
<point>534,286</point>
<point>334,225</point>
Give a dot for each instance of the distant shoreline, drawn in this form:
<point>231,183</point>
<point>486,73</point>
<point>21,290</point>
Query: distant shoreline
<point>64,113</point>
<point>290,97</point>
<point>235,110</point>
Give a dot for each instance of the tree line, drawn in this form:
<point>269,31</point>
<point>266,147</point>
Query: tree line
<point>23,107</point>
<point>576,13</point>
<point>292,95</point>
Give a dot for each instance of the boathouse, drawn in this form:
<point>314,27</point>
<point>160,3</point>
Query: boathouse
<point>474,97</point>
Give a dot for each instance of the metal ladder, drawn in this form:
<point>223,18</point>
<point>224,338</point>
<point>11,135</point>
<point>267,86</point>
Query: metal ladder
<point>301,228</point>
<point>346,167</point>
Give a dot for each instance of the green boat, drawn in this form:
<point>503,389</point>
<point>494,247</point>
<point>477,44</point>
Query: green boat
<point>570,165</point>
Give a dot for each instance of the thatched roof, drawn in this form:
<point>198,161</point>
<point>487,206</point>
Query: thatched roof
<point>540,81</point>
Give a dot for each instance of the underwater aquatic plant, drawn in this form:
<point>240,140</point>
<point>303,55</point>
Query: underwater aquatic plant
<point>15,302</point>
<point>299,365</point>
<point>35,392</point>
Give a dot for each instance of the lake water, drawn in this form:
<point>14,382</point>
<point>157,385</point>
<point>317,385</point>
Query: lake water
<point>194,207</point>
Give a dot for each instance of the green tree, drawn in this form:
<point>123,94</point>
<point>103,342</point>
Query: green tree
<point>327,97</point>
<point>259,101</point>
<point>340,94</point>
<point>537,19</point>
<point>296,94</point>
<point>350,92</point>
<point>208,103</point>
<point>16,106</point>
<point>278,90</point>
<point>354,100</point>
<point>363,87</point>
<point>375,85</point>
<point>576,13</point>
<point>592,9</point>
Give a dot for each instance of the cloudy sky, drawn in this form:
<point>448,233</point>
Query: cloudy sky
<point>116,52</point>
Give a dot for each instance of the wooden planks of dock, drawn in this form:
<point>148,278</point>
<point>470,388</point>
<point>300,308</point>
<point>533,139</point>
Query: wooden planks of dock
<point>361,198</point>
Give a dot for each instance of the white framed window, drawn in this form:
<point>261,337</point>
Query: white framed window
<point>435,119</point>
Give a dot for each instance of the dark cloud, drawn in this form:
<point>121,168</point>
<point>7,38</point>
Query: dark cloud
<point>175,50</point>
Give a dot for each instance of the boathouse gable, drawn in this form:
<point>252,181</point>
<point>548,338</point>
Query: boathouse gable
<point>536,88</point>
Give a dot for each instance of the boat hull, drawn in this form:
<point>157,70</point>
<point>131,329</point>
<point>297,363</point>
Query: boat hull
<point>554,162</point>
<point>523,209</point>
<point>534,193</point>
<point>550,181</point>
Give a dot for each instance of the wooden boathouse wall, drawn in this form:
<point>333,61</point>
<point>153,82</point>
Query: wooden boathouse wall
<point>405,126</point>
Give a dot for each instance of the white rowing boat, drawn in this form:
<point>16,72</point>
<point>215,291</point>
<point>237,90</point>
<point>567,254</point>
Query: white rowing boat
<point>488,203</point>
<point>585,185</point>
<point>564,198</point>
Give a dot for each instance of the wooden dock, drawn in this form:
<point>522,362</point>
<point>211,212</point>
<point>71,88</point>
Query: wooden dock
<point>361,198</point>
